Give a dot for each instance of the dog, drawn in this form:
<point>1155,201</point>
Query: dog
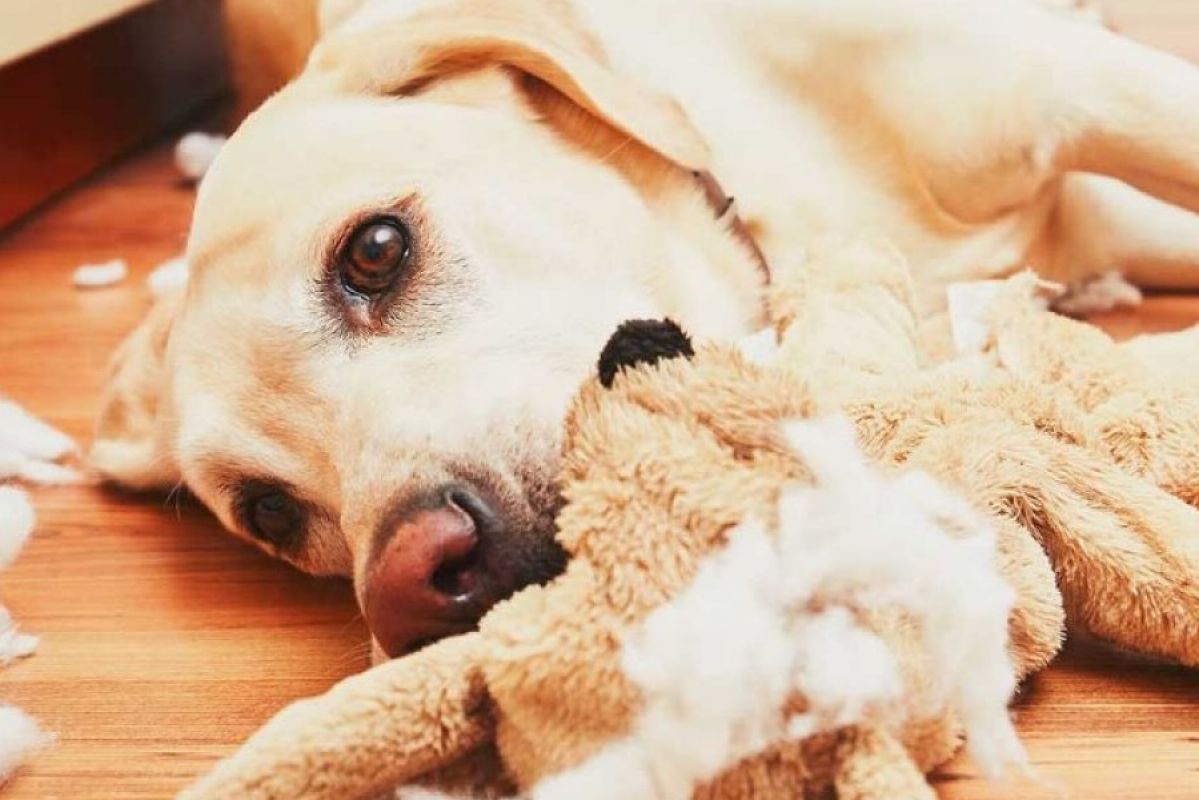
<point>406,261</point>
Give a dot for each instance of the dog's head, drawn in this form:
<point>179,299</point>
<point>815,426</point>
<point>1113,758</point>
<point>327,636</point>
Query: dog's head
<point>403,265</point>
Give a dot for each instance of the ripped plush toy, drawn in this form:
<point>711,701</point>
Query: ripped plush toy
<point>811,564</point>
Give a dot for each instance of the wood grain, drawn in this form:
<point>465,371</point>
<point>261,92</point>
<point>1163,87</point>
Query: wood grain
<point>166,642</point>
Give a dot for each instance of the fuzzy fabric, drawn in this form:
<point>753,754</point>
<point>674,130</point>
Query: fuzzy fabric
<point>785,610</point>
<point>759,604</point>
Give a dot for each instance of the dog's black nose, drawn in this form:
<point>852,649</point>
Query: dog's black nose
<point>430,577</point>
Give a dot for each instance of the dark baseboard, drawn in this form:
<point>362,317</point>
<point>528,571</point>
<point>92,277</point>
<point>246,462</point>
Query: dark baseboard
<point>73,107</point>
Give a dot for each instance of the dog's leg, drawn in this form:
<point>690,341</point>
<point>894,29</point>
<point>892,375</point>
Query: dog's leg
<point>1101,225</point>
<point>1139,115</point>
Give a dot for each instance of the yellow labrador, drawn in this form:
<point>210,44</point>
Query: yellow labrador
<point>405,262</point>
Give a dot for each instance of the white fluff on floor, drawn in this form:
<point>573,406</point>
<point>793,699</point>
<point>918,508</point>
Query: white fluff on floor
<point>95,276</point>
<point>29,448</point>
<point>168,276</point>
<point>16,525</point>
<point>24,433</point>
<point>195,152</point>
<point>21,738</point>
<point>13,465</point>
<point>1100,293</point>
<point>776,614</point>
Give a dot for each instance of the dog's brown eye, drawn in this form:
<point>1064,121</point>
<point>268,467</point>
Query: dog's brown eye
<point>374,256</point>
<point>274,517</point>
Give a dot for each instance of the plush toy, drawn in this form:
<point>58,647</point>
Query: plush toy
<point>764,600</point>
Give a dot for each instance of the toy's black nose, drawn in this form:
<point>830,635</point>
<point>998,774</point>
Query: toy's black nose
<point>642,341</point>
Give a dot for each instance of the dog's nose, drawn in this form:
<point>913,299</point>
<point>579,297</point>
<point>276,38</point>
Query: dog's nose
<point>428,580</point>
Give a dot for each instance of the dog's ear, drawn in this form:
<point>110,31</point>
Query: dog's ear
<point>385,48</point>
<point>131,444</point>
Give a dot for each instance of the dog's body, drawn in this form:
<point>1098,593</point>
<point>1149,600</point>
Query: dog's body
<point>406,261</point>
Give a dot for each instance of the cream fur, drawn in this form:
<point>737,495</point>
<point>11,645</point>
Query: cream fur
<point>541,150</point>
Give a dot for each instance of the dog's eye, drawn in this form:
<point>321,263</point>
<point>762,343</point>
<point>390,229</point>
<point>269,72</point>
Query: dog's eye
<point>274,516</point>
<point>375,255</point>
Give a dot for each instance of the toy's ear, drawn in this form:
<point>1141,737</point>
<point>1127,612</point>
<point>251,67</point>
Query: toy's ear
<point>396,48</point>
<point>130,447</point>
<point>642,341</point>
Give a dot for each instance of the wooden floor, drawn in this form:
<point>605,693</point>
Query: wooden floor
<point>165,642</point>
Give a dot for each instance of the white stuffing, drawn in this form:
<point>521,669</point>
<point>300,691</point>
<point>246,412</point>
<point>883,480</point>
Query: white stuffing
<point>21,738</point>
<point>972,306</point>
<point>14,645</point>
<point>195,152</point>
<point>1100,293</point>
<point>16,525</point>
<point>29,448</point>
<point>831,536</point>
<point>24,442</point>
<point>23,433</point>
<point>13,465</point>
<point>168,276</point>
<point>20,735</point>
<point>95,276</point>
<point>770,616</point>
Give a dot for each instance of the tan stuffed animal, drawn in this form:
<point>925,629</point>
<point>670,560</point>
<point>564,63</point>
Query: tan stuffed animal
<point>753,610</point>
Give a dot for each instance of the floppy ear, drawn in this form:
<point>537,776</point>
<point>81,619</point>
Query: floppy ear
<point>384,48</point>
<point>131,445</point>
